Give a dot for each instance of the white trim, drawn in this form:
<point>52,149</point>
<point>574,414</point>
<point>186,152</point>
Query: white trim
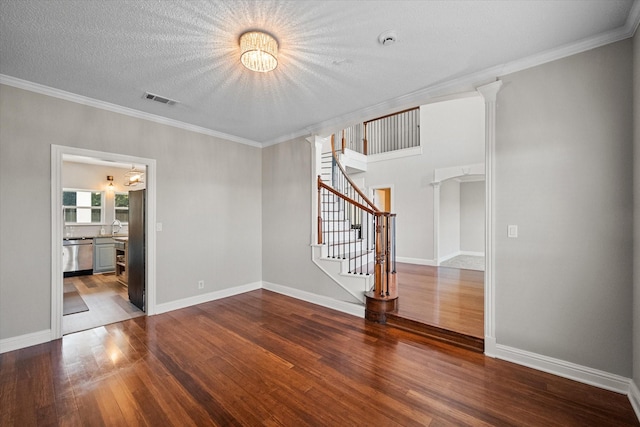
<point>439,176</point>
<point>634,393</point>
<point>57,225</point>
<point>633,19</point>
<point>564,369</point>
<point>471,253</point>
<point>489,93</point>
<point>490,346</point>
<point>396,154</point>
<point>79,99</point>
<point>443,174</point>
<point>316,170</point>
<point>26,340</point>
<point>417,261</point>
<point>57,153</point>
<point>448,257</point>
<point>392,190</point>
<point>353,309</point>
<point>211,296</point>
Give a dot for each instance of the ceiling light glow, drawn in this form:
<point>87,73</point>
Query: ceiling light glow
<point>259,51</point>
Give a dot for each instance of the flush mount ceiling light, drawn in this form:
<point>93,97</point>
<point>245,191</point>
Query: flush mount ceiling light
<point>258,51</point>
<point>133,177</point>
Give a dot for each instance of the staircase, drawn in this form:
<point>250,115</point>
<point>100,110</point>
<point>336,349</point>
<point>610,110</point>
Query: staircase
<point>345,253</point>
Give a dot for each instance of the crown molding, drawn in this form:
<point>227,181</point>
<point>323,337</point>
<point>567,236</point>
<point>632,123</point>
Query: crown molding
<point>79,99</point>
<point>300,134</point>
<point>633,19</point>
<point>473,80</point>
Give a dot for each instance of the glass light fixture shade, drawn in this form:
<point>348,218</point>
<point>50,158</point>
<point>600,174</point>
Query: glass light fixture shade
<point>258,51</point>
<point>133,177</point>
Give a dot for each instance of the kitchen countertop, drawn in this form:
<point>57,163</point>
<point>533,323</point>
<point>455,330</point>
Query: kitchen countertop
<point>115,236</point>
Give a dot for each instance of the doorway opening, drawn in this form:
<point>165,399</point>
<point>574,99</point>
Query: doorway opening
<point>98,290</point>
<point>381,195</point>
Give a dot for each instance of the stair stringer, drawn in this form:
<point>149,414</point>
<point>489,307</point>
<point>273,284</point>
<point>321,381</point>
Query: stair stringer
<point>355,284</point>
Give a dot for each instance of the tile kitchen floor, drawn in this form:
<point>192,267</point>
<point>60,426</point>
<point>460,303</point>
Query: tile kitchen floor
<point>107,299</point>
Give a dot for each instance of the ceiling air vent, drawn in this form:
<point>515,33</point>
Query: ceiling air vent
<point>158,98</point>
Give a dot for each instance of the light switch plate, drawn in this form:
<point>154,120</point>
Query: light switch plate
<point>158,226</point>
<point>512,231</point>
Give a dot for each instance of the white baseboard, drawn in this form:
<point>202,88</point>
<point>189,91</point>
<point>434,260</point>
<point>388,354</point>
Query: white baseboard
<point>416,261</point>
<point>634,398</point>
<point>489,346</point>
<point>346,307</point>
<point>471,253</point>
<point>564,369</point>
<point>211,296</point>
<point>448,257</point>
<point>26,340</point>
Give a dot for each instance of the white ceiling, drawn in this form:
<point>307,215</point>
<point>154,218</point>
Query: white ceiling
<point>332,71</point>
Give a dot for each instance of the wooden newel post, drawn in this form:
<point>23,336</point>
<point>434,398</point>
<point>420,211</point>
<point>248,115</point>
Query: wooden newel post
<point>364,140</point>
<point>384,297</point>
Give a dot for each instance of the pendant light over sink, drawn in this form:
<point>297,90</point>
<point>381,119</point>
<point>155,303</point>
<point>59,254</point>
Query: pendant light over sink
<point>133,177</point>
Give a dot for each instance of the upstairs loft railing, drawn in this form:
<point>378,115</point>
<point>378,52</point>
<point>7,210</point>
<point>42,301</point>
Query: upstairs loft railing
<point>353,228</point>
<point>392,132</point>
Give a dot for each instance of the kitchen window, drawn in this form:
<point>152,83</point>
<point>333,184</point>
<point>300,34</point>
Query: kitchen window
<point>121,207</point>
<point>82,206</point>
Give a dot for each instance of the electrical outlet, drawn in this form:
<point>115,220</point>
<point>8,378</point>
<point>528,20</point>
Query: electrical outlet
<point>200,284</point>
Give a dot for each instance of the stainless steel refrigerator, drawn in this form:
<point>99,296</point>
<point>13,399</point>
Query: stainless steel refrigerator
<point>136,248</point>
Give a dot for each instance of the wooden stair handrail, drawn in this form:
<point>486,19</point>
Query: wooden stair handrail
<point>344,173</point>
<point>321,184</point>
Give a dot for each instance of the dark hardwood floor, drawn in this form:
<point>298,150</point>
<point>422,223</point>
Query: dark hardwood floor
<point>449,298</point>
<point>261,358</point>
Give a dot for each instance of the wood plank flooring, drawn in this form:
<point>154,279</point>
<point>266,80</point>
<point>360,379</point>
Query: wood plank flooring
<point>262,358</point>
<point>449,298</point>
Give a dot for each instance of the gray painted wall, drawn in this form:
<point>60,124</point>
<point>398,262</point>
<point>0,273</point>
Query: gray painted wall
<point>286,221</point>
<point>564,176</point>
<point>208,199</point>
<point>636,210</point>
<point>472,216</point>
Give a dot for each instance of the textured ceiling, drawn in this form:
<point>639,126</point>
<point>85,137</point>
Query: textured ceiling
<point>331,65</point>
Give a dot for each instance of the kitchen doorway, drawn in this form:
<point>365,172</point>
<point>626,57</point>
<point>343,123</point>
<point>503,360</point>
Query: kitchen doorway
<point>105,286</point>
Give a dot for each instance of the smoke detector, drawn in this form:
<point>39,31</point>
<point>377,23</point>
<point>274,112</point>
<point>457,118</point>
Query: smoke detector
<point>388,37</point>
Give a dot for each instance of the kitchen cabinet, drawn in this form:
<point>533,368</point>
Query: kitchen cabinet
<point>104,258</point>
<point>122,262</point>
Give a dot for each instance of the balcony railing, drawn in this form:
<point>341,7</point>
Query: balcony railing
<point>388,133</point>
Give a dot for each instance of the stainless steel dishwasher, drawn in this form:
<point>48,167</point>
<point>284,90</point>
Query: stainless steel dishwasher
<point>77,257</point>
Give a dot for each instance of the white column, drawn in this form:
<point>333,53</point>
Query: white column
<point>489,93</point>
<point>316,169</point>
<point>436,222</point>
